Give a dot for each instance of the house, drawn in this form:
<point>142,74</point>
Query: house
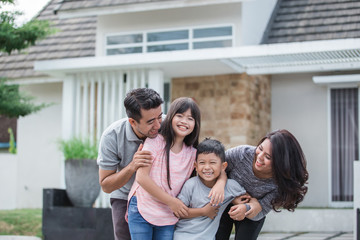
<point>252,65</point>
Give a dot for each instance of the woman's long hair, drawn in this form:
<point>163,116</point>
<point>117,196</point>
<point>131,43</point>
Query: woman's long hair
<point>288,169</point>
<point>179,105</point>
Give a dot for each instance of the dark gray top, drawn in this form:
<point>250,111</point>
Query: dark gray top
<point>240,160</point>
<point>118,145</point>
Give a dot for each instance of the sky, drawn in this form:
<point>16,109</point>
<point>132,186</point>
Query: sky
<point>29,7</point>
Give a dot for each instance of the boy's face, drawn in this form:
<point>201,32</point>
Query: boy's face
<point>208,167</point>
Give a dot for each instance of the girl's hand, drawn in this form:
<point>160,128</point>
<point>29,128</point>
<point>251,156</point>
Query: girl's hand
<point>210,211</point>
<point>238,212</point>
<point>216,194</point>
<point>242,199</point>
<point>179,209</point>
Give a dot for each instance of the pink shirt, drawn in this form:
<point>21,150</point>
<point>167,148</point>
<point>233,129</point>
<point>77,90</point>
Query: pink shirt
<point>181,167</point>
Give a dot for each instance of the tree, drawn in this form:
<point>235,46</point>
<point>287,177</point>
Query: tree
<point>14,103</point>
<point>14,37</point>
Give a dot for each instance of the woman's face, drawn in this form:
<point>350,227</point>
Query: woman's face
<point>263,159</point>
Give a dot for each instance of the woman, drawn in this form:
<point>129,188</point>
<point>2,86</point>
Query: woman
<point>273,173</point>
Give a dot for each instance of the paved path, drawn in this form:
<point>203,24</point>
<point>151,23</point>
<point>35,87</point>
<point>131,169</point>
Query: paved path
<point>306,236</point>
<point>263,236</point>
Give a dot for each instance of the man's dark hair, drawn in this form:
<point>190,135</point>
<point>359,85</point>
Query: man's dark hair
<point>141,98</point>
<point>208,146</point>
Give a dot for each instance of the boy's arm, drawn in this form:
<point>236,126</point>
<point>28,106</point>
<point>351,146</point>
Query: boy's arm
<point>145,181</point>
<point>208,211</point>
<point>217,191</point>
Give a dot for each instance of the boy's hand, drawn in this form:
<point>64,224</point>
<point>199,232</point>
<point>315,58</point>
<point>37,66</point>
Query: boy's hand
<point>211,211</point>
<point>179,209</point>
<point>242,199</point>
<point>238,212</point>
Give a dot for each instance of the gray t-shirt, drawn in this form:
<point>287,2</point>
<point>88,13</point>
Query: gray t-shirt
<point>240,162</point>
<point>118,145</point>
<point>194,194</point>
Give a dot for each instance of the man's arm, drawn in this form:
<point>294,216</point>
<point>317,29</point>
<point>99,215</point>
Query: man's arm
<point>110,180</point>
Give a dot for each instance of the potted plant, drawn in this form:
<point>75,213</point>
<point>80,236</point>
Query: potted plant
<point>81,171</point>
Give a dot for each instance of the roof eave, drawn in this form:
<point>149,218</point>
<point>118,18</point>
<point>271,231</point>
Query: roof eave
<point>138,7</point>
<point>281,58</point>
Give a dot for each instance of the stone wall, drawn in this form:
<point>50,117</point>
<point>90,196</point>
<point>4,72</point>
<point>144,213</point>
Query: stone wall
<point>235,109</point>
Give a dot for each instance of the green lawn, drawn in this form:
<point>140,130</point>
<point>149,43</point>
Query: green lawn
<point>25,222</point>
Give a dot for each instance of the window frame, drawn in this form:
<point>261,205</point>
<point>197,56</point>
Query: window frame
<point>190,40</point>
<point>337,204</point>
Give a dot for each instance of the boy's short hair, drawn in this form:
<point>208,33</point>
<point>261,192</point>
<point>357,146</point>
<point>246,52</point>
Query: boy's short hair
<point>211,146</point>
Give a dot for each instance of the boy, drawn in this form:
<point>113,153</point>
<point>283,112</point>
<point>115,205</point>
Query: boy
<point>203,224</point>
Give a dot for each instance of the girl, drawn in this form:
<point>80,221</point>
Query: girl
<point>273,173</point>
<point>153,207</point>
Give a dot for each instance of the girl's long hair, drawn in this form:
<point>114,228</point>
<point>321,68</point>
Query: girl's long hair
<point>288,169</point>
<point>179,105</point>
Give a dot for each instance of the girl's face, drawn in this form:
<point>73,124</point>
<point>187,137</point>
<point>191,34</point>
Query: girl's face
<point>263,159</point>
<point>183,123</point>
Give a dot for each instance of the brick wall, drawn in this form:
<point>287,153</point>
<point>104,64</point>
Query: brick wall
<point>235,109</point>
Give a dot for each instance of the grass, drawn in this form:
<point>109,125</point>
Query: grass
<point>26,222</point>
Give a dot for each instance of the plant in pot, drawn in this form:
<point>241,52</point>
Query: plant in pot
<point>81,171</point>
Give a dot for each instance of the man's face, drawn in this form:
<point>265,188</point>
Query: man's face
<point>149,124</point>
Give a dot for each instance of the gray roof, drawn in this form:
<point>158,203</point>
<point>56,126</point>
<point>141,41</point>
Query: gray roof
<point>75,38</point>
<point>309,20</point>
<point>83,4</point>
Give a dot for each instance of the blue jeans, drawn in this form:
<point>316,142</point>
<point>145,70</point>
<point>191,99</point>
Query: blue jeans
<point>140,229</point>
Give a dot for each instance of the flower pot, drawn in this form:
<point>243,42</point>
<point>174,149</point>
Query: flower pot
<point>82,181</point>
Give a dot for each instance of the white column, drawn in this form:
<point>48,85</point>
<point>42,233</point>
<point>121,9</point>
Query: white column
<point>156,81</point>
<point>356,196</point>
<point>68,116</point>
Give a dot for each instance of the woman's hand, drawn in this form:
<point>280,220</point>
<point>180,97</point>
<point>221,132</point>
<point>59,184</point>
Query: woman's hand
<point>255,208</point>
<point>237,212</point>
<point>179,209</point>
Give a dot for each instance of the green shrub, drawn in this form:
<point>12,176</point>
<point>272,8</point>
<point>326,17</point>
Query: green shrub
<point>76,148</point>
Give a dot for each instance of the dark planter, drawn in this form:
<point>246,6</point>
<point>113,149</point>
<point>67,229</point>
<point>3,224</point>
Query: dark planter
<point>82,181</point>
<point>61,220</point>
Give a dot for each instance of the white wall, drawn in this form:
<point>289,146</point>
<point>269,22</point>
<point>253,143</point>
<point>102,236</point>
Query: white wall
<point>310,220</point>
<point>172,18</point>
<point>39,160</point>
<point>255,17</point>
<point>8,180</point>
<point>301,107</point>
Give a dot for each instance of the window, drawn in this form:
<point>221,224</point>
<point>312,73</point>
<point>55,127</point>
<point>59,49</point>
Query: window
<point>344,142</point>
<point>170,40</point>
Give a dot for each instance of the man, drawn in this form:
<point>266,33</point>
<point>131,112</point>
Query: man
<point>120,151</point>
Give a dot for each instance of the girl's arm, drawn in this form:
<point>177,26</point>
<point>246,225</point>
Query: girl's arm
<point>145,181</point>
<point>217,192</point>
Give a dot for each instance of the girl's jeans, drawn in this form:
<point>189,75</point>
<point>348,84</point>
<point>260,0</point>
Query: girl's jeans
<point>140,229</point>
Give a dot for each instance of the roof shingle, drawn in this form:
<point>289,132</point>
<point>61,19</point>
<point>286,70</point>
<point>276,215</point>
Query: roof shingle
<point>308,20</point>
<point>75,38</point>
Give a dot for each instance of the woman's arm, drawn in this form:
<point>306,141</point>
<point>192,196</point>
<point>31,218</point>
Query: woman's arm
<point>145,181</point>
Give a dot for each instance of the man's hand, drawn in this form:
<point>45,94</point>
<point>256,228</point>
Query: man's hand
<point>141,159</point>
